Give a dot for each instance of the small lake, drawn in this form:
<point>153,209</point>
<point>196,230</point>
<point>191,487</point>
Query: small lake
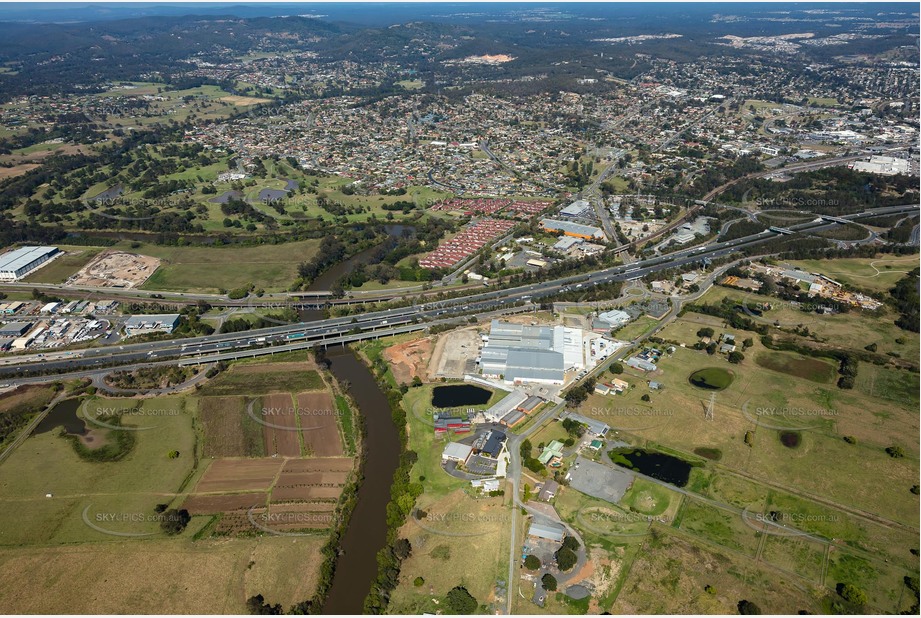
<point>226,196</point>
<point>64,415</point>
<point>711,378</point>
<point>459,395</point>
<point>657,465</point>
<point>271,195</point>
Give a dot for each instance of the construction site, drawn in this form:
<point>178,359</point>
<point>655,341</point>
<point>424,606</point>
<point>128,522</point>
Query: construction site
<point>116,269</point>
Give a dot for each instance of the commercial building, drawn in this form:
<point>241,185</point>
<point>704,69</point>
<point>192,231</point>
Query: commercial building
<point>576,230</point>
<point>521,353</point>
<point>615,317</point>
<point>454,423</point>
<point>455,451</point>
<point>548,531</point>
<point>493,445</point>
<point>161,322</point>
<point>579,208</point>
<point>594,427</point>
<point>16,264</point>
<point>887,166</point>
<point>552,453</point>
<point>14,329</point>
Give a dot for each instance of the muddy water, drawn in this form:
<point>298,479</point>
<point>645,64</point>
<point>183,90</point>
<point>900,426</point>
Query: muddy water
<point>63,414</point>
<point>367,530</point>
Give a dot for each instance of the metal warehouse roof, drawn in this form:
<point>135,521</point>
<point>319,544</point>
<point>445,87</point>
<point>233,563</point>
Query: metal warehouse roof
<point>16,259</point>
<point>551,532</point>
<point>572,228</point>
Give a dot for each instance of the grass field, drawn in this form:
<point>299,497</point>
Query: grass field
<point>458,530</point>
<point>759,399</point>
<point>47,463</point>
<point>254,380</point>
<point>876,274</point>
<point>670,575</point>
<point>204,269</point>
<point>853,330</point>
<point>173,575</point>
<point>58,270</point>
<point>636,328</point>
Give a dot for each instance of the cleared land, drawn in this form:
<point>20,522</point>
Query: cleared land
<point>62,267</point>
<point>116,269</point>
<point>458,530</point>
<point>204,269</point>
<point>264,379</point>
<point>280,426</point>
<point>228,430</point>
<point>230,475</point>
<point>317,416</point>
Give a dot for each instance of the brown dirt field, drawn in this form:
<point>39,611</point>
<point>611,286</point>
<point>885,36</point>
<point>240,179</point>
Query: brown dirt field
<point>281,442</point>
<point>116,269</point>
<point>220,419</point>
<point>207,505</point>
<point>290,479</point>
<point>410,359</point>
<point>304,507</point>
<point>337,464</point>
<point>224,475</point>
<point>276,367</point>
<point>319,424</point>
<point>16,170</point>
<point>241,100</point>
<point>32,395</point>
<point>290,494</point>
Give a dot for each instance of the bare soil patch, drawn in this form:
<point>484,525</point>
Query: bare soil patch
<point>409,360</point>
<point>228,475</point>
<point>207,505</point>
<point>280,429</point>
<point>116,269</point>
<point>17,170</point>
<point>319,425</point>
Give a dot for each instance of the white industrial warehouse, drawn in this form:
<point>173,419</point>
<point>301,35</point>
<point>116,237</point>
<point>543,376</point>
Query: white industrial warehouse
<point>518,353</point>
<point>16,264</point>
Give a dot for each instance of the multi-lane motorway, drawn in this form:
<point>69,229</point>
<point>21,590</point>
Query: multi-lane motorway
<point>392,321</point>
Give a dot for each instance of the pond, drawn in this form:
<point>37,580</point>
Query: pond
<point>711,378</point>
<point>64,415</point>
<point>271,195</point>
<point>459,395</point>
<point>226,196</point>
<point>790,439</point>
<point>657,465</point>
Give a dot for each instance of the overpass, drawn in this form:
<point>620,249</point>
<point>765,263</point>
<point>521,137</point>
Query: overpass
<point>375,324</point>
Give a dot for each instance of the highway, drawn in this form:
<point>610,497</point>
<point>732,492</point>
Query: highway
<point>379,323</point>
